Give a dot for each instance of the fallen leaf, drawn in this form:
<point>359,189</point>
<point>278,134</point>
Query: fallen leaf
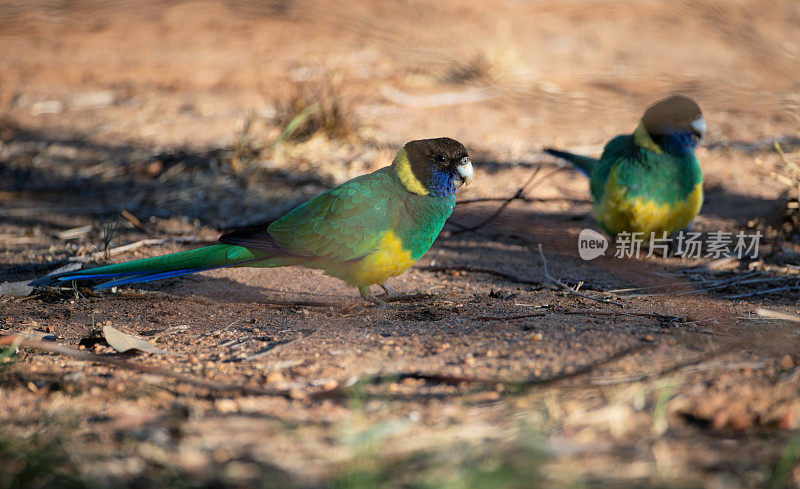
<point>16,289</point>
<point>123,342</point>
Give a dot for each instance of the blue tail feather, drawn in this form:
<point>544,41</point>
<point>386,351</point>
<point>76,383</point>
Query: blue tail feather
<point>150,277</point>
<point>140,277</point>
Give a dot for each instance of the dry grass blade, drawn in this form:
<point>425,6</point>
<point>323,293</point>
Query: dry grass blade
<point>584,313</point>
<point>784,288</point>
<point>294,124</point>
<point>311,107</point>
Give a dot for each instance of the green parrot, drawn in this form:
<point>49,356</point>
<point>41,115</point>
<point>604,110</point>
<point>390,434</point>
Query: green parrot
<point>649,181</point>
<point>363,232</point>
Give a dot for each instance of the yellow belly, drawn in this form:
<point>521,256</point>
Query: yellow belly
<point>616,214</point>
<point>388,260</point>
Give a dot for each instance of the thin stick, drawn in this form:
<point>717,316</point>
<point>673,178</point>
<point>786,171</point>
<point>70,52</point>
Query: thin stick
<point>762,292</point>
<point>523,198</point>
<point>744,279</point>
<point>517,195</point>
<point>567,287</point>
<point>583,312</point>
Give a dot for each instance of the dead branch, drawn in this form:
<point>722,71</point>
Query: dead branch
<point>519,194</point>
<point>584,313</point>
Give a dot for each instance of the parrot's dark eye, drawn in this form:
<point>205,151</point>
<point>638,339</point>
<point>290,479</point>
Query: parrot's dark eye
<point>438,158</point>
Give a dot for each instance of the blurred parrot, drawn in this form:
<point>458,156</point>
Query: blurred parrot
<point>649,181</point>
<point>363,232</point>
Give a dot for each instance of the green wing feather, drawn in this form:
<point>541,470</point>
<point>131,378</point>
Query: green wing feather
<point>342,224</point>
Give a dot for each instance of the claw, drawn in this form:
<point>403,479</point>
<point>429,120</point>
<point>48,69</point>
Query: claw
<point>390,292</point>
<point>367,295</point>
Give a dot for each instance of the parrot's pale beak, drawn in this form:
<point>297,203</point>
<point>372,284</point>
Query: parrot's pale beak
<point>699,128</point>
<point>465,172</point>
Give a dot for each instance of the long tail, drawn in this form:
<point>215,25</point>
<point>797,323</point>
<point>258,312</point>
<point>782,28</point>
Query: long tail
<point>167,266</point>
<point>582,163</point>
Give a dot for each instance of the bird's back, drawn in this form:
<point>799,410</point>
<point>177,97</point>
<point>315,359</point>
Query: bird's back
<point>640,189</point>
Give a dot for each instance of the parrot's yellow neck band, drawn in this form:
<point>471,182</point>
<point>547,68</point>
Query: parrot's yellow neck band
<point>403,169</point>
<point>642,139</point>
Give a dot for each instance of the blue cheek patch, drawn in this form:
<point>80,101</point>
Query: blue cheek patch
<point>679,142</point>
<point>440,184</point>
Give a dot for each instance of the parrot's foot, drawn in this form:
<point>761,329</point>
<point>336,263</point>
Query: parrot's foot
<point>367,295</point>
<point>390,292</point>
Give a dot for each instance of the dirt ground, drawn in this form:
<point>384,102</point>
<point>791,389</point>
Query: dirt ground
<point>486,374</point>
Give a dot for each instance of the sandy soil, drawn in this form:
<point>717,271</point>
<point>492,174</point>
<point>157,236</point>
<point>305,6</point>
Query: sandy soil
<point>144,106</point>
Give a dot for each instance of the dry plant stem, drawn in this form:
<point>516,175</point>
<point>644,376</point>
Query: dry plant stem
<point>580,313</point>
<point>523,198</point>
<point>567,287</point>
<point>785,288</point>
<point>517,195</point>
<point>747,278</point>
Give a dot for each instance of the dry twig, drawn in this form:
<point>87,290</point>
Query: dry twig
<point>567,287</point>
<point>582,313</point>
<point>519,194</point>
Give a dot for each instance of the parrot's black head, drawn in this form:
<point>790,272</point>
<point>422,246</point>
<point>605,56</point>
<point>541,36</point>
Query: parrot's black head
<point>675,123</point>
<point>434,166</point>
